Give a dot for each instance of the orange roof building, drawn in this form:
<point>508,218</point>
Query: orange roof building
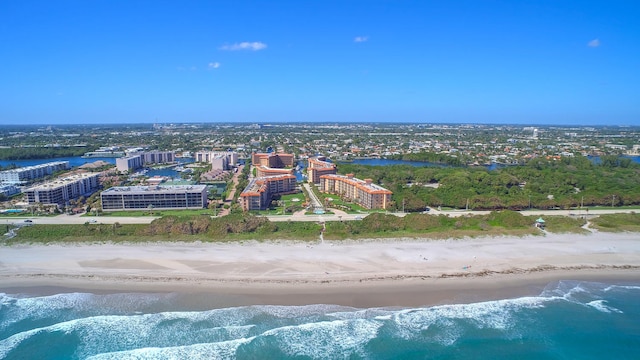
<point>317,168</point>
<point>272,160</point>
<point>262,171</point>
<point>363,192</point>
<point>258,194</point>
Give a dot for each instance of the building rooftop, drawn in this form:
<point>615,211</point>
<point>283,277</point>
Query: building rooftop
<point>33,167</point>
<point>155,189</point>
<point>257,185</point>
<point>365,185</point>
<point>63,181</point>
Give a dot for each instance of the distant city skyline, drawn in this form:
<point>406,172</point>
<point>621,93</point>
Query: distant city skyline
<point>462,61</point>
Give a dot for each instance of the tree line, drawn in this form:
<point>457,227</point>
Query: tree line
<point>539,183</point>
<point>28,153</point>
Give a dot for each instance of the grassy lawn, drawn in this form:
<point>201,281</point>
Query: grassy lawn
<point>293,197</point>
<point>562,224</point>
<point>340,204</point>
<point>617,222</point>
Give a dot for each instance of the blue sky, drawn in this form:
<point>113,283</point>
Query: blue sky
<point>482,61</point>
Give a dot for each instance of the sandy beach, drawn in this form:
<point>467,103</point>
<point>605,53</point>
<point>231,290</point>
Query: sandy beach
<point>390,272</point>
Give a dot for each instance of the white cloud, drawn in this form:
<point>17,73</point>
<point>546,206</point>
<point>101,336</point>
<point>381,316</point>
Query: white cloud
<point>213,65</point>
<point>594,43</point>
<point>254,46</point>
<point>359,39</point>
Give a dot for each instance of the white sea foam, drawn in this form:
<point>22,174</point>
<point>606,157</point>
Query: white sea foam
<point>299,311</point>
<point>491,314</point>
<point>100,334</point>
<point>601,305</point>
<point>213,351</point>
<point>70,305</point>
<point>621,287</point>
<point>326,339</point>
<point>361,314</point>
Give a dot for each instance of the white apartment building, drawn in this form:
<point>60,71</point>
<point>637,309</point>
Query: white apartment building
<point>158,197</point>
<point>219,160</point>
<point>135,161</point>
<point>61,190</point>
<point>129,163</point>
<point>30,173</point>
<point>8,190</point>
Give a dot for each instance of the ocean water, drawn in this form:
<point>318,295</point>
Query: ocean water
<point>568,320</point>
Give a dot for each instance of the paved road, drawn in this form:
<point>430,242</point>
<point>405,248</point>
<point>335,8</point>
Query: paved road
<point>77,219</point>
<point>232,193</point>
<point>316,203</point>
<point>338,216</point>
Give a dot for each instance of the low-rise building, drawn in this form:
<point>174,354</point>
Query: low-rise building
<point>157,197</point>
<point>363,192</point>
<point>260,191</point>
<point>63,189</point>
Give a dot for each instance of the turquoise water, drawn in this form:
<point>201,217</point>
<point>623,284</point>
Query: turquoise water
<point>568,320</point>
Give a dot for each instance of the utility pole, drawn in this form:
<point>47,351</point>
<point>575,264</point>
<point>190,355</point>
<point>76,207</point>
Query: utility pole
<point>613,199</point>
<point>403,205</point>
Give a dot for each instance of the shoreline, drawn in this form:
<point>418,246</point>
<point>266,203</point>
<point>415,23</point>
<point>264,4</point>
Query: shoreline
<point>389,273</point>
<point>376,294</point>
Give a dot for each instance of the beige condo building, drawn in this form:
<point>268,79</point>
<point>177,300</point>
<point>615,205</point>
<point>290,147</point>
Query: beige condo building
<point>363,192</point>
<point>260,191</point>
<point>319,167</point>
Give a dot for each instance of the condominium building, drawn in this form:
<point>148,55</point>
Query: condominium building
<point>129,163</point>
<point>158,157</point>
<point>157,197</point>
<point>262,171</point>
<point>8,190</point>
<point>272,160</point>
<point>61,190</point>
<point>363,192</point>
<point>30,173</point>
<point>260,191</point>
<point>219,160</point>
<point>137,160</point>
<point>319,167</point>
